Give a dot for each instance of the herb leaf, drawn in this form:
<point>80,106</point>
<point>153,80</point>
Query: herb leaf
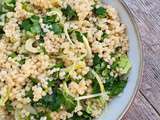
<point>9,106</point>
<point>69,102</point>
<point>69,13</point>
<point>32,25</point>
<point>8,5</point>
<point>115,86</point>
<point>57,28</point>
<point>100,12</point>
<point>56,100</point>
<point>79,36</point>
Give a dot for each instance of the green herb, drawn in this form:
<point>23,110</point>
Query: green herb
<point>69,13</point>
<point>55,75</point>
<point>59,65</point>
<point>27,7</point>
<point>57,28</point>
<point>95,84</point>
<point>50,19</point>
<point>100,12</point>
<point>34,81</point>
<point>51,83</point>
<point>115,86</point>
<point>56,100</point>
<point>9,106</point>
<point>53,24</point>
<point>69,102</point>
<point>8,5</point>
<point>95,87</point>
<point>29,94</point>
<point>90,76</point>
<point>1,31</point>
<point>105,73</point>
<point>104,36</point>
<point>96,60</point>
<point>13,55</point>
<point>22,61</point>
<point>32,25</point>
<point>52,102</point>
<point>79,36</point>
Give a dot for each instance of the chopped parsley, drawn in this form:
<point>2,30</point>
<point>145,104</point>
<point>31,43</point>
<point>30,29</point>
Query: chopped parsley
<point>29,94</point>
<point>69,13</point>
<point>104,36</point>
<point>7,5</point>
<point>32,25</point>
<point>115,86</point>
<point>12,55</point>
<point>56,100</point>
<point>100,12</point>
<point>57,28</point>
<point>22,61</point>
<point>50,19</point>
<point>79,36</point>
<point>9,106</point>
<point>34,81</point>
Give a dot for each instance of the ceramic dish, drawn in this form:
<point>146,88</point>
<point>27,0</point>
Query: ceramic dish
<point>119,106</point>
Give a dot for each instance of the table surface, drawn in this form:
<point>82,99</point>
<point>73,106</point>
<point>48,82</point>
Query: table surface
<point>146,106</point>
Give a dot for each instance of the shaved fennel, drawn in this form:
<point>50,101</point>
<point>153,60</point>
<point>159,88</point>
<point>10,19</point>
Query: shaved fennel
<point>89,51</point>
<point>66,33</point>
<point>90,96</point>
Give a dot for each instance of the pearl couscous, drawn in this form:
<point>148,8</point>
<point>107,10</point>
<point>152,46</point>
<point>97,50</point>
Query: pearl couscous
<point>60,59</point>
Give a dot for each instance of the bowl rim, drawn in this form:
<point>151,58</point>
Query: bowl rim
<point>140,73</point>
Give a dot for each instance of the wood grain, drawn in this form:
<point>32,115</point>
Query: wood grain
<point>147,104</point>
<point>142,110</point>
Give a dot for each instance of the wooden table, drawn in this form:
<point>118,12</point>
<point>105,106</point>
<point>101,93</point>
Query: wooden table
<point>146,106</point>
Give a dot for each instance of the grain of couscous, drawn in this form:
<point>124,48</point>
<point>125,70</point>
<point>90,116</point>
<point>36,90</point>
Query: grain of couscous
<point>60,59</point>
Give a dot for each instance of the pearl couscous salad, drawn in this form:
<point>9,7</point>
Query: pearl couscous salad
<point>60,59</point>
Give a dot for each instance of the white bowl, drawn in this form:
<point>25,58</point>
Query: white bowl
<point>118,107</point>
